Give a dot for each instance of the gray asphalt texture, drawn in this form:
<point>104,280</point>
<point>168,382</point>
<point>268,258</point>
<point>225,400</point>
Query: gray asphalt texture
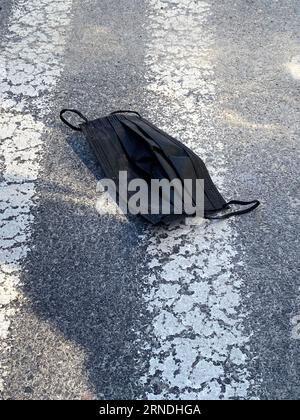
<point>256,39</point>
<point>82,279</point>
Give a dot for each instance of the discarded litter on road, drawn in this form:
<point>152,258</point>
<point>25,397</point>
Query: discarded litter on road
<point>125,142</point>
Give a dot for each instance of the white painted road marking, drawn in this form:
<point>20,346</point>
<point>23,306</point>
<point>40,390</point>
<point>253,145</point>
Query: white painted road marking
<point>201,349</point>
<point>30,63</point>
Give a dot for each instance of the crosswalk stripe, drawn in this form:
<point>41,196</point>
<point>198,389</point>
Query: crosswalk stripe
<point>30,63</point>
<point>197,345</point>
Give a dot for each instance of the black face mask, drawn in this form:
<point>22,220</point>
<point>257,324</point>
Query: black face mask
<point>125,141</point>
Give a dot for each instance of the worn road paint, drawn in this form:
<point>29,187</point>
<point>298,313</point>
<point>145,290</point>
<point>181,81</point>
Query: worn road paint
<point>30,63</point>
<point>293,67</point>
<point>197,345</point>
<point>295,324</point>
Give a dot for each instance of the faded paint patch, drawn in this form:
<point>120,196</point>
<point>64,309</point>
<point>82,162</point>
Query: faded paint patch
<point>197,346</point>
<point>293,67</point>
<point>29,67</point>
<point>235,119</point>
<point>295,324</point>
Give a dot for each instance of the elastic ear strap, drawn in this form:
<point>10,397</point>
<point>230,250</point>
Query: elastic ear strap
<point>63,111</point>
<point>124,111</point>
<point>255,203</point>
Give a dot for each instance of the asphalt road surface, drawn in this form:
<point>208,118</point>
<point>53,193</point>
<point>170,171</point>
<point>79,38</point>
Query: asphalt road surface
<point>100,306</point>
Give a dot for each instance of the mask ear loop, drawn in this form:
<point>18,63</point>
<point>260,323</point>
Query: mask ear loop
<point>63,111</point>
<point>255,203</point>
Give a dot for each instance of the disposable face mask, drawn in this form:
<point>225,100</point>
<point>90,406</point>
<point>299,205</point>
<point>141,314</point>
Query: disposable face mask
<point>125,141</point>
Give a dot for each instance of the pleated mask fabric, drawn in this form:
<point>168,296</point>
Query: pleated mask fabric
<point>125,141</point>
